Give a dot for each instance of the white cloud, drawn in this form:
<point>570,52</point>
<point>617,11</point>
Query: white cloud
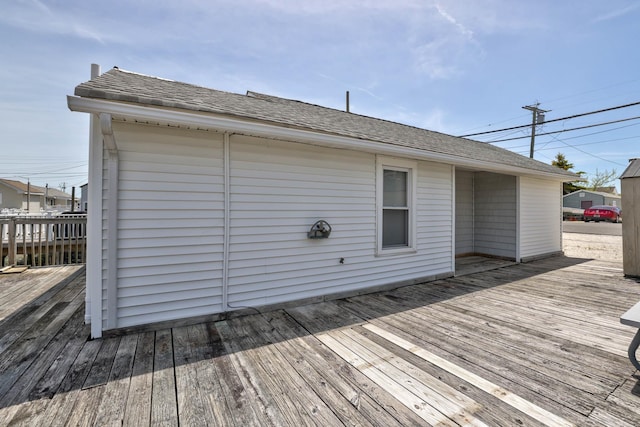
<point>616,13</point>
<point>35,16</point>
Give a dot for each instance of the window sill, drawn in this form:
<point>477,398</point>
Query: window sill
<point>396,252</point>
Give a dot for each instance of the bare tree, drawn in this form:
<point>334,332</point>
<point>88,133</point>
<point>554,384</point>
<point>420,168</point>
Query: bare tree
<point>601,179</point>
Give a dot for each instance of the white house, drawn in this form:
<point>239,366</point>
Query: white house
<point>203,202</point>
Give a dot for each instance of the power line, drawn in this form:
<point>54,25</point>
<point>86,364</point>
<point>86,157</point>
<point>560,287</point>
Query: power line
<point>566,130</point>
<point>555,120</point>
<point>586,152</point>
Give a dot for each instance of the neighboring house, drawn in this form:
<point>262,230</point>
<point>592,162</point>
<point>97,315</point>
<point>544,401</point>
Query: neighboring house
<point>609,189</point>
<point>20,196</point>
<point>203,202</point>
<point>84,195</point>
<point>57,198</point>
<point>583,199</point>
<point>630,187</point>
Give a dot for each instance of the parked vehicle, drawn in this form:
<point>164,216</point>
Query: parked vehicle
<point>603,213</point>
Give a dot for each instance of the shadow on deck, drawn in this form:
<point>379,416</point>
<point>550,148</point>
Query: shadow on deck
<point>544,334</point>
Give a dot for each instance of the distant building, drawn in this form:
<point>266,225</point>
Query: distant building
<point>84,197</point>
<point>610,190</point>
<point>20,196</point>
<point>630,186</point>
<point>58,199</point>
<point>27,197</point>
<point>584,199</point>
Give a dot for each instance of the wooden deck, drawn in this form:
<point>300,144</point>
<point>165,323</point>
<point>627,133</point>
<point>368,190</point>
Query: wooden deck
<point>530,344</point>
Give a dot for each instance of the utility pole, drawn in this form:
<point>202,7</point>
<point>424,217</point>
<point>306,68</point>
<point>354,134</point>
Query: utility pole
<point>538,118</point>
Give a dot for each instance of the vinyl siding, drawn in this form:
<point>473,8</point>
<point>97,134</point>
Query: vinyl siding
<point>170,223</point>
<point>464,213</point>
<point>279,189</point>
<point>575,201</point>
<point>495,214</point>
<point>540,217</point>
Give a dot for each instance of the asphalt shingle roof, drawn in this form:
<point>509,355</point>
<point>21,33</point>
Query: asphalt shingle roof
<point>632,170</point>
<point>124,86</point>
<point>22,187</point>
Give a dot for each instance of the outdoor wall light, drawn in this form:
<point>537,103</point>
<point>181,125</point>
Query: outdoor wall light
<point>320,230</point>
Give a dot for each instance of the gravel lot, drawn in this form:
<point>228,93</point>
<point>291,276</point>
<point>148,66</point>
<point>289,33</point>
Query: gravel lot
<point>595,246</point>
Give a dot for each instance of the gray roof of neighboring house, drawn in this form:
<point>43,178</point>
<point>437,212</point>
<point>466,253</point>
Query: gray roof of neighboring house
<point>599,193</point>
<point>632,170</point>
<point>124,86</point>
<point>54,193</point>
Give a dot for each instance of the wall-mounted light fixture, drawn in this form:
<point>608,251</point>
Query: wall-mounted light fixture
<point>320,230</point>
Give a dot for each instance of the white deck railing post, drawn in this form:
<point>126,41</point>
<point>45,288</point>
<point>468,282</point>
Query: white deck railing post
<point>13,243</point>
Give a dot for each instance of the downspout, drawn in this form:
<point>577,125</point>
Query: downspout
<point>453,219</point>
<point>93,297</point>
<point>112,220</point>
<point>227,223</point>
<point>518,217</point>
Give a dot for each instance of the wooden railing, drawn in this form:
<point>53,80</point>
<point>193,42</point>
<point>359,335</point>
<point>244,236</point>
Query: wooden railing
<point>43,241</point>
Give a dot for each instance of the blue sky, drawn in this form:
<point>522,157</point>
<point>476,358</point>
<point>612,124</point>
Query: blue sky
<point>457,67</point>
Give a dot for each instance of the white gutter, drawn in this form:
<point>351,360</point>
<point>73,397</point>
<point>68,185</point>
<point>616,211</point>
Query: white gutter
<point>208,120</point>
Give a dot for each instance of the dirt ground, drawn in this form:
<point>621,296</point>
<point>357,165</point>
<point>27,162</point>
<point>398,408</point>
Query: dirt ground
<point>608,248</point>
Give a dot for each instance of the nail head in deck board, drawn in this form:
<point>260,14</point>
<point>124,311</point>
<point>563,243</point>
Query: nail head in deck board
<point>164,407</point>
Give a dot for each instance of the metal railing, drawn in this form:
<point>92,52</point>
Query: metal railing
<point>43,240</point>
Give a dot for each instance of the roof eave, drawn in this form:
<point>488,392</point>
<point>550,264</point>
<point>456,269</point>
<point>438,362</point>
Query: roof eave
<point>251,127</point>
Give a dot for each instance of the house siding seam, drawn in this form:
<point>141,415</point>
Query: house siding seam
<point>540,217</point>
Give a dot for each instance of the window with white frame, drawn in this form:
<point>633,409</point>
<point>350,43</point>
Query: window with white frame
<point>396,183</point>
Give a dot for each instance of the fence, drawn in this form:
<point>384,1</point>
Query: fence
<point>43,241</point>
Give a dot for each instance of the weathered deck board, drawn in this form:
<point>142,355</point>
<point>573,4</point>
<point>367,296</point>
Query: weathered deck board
<point>530,344</point>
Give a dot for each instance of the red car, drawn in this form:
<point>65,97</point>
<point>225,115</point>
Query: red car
<point>603,213</point>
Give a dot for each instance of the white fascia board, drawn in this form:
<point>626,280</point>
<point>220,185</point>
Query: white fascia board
<point>261,129</point>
